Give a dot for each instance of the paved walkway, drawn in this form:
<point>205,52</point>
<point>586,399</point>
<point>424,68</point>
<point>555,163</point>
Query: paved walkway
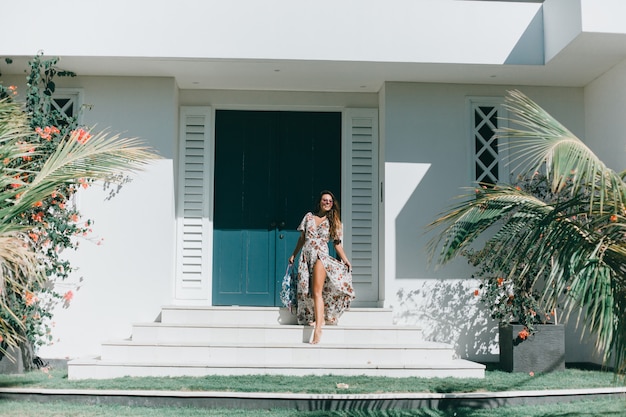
<point>311,402</point>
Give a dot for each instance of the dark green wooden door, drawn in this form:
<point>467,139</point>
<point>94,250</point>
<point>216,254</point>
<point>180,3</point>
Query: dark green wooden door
<point>269,169</point>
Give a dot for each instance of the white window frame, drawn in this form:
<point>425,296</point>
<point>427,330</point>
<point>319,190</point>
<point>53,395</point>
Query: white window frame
<point>73,94</point>
<point>502,149</point>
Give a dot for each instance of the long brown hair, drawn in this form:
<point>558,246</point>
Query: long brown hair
<point>333,216</point>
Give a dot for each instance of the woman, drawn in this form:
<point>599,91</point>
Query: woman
<point>324,284</point>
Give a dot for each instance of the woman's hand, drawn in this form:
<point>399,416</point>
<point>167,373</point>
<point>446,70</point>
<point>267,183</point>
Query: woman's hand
<point>291,259</point>
<point>348,265</point>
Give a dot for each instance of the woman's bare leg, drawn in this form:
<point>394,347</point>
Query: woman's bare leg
<point>319,276</point>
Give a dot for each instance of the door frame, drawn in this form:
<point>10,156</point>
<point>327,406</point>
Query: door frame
<point>203,294</point>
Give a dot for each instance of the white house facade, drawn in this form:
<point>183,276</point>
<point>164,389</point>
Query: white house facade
<point>403,87</point>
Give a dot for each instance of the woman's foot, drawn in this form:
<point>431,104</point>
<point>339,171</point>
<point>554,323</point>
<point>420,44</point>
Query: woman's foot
<point>317,336</point>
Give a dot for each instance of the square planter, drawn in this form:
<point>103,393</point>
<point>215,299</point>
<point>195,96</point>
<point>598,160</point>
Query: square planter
<point>543,351</point>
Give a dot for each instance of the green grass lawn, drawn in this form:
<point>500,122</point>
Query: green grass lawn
<point>494,381</point>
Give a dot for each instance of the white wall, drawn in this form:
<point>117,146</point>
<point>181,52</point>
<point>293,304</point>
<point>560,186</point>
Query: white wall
<point>426,146</point>
<point>129,276</point>
<point>605,111</point>
<point>349,30</point>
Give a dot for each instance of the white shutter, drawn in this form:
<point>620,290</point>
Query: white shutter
<point>194,238</point>
<point>360,200</point>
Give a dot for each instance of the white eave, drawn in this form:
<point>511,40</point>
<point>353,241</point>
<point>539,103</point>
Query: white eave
<point>327,45</point>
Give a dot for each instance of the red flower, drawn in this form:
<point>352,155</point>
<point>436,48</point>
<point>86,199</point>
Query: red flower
<point>613,217</point>
<point>82,136</point>
<point>500,281</point>
<point>523,334</point>
<point>68,296</point>
<point>476,293</point>
<point>47,132</point>
<point>30,298</point>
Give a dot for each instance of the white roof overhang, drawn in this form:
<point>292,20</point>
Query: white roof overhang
<point>447,41</point>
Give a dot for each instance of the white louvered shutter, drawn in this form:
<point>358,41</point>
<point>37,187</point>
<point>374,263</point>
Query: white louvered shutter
<point>361,202</point>
<point>193,229</point>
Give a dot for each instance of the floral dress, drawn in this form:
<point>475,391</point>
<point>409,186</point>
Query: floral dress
<point>337,292</point>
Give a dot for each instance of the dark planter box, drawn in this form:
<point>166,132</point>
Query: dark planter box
<point>543,351</point>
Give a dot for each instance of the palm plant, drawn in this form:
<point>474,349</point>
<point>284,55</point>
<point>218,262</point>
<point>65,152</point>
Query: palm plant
<point>570,249</point>
<point>79,157</point>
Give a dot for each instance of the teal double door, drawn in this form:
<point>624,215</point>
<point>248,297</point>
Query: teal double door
<point>270,167</point>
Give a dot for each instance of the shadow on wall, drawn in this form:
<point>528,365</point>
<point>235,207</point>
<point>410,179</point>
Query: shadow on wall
<point>448,312</point>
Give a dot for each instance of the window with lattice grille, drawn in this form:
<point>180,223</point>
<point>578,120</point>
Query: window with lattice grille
<point>485,115</point>
<point>67,103</point>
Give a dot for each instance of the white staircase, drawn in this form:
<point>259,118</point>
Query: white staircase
<point>198,341</point>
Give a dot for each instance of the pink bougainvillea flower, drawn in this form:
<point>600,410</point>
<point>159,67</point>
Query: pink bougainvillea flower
<point>82,136</point>
<point>30,298</point>
<point>523,334</point>
<point>531,373</point>
<point>68,296</point>
<point>47,132</point>
<point>38,204</point>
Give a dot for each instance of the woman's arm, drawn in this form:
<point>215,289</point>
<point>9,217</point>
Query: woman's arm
<point>342,255</point>
<point>299,245</point>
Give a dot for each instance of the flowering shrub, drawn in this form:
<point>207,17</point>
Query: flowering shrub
<point>508,298</point>
<point>54,222</point>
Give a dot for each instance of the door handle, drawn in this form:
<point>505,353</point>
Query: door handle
<point>281,236</point>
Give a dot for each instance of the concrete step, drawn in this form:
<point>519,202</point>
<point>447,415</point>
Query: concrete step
<point>297,354</point>
<point>236,315</point>
<point>262,333</point>
<point>97,369</point>
<point>198,341</point>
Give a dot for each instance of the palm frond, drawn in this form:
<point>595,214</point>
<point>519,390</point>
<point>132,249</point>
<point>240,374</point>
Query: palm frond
<point>542,141</point>
<point>479,212</point>
<point>97,159</point>
<point>19,272</point>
